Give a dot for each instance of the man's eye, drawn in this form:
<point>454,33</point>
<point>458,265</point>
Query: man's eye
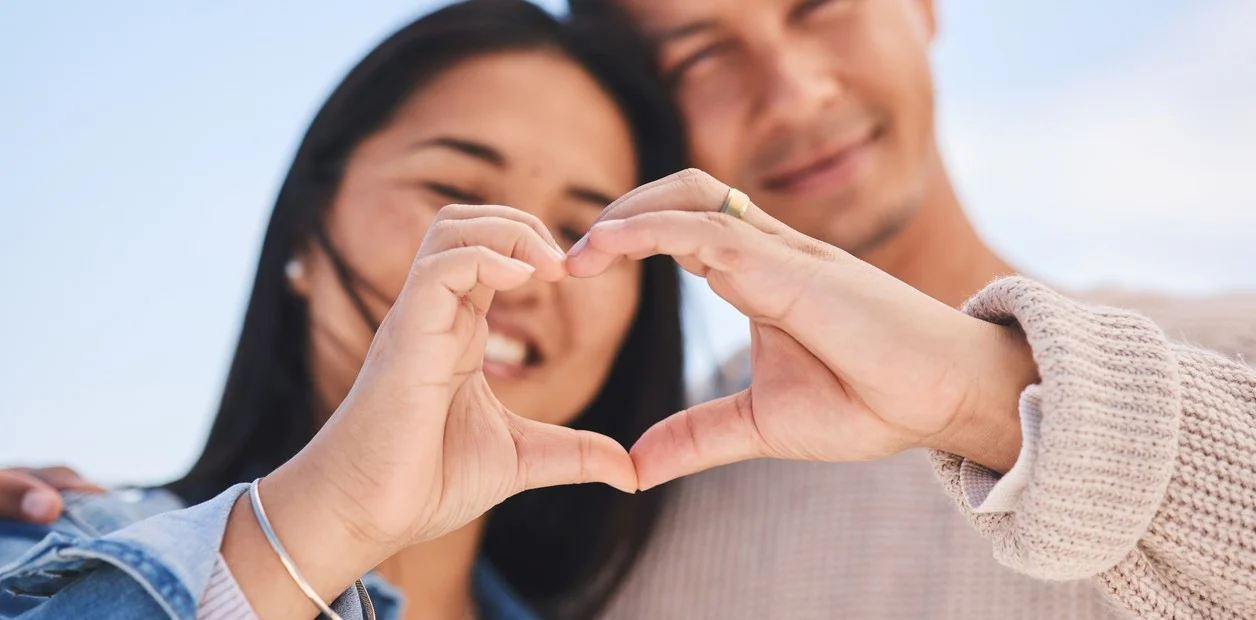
<point>806,7</point>
<point>678,71</point>
<point>453,193</point>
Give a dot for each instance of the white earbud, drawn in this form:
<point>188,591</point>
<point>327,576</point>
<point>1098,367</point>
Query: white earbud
<point>294,270</point>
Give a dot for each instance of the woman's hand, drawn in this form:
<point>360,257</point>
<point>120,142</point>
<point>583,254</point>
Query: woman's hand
<point>34,494</point>
<point>420,446</point>
<point>848,362</point>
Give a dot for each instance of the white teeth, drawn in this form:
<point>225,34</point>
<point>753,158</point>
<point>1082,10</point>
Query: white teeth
<point>505,350</point>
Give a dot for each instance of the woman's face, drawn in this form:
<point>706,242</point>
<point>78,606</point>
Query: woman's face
<point>529,130</point>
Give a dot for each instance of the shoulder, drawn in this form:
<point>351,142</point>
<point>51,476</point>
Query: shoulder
<point>1225,323</point>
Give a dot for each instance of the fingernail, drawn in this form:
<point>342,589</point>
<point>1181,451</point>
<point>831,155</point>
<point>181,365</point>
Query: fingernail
<point>575,249</point>
<point>39,504</point>
<point>522,266</point>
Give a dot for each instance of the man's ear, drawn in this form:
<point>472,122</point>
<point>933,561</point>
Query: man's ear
<point>926,10</point>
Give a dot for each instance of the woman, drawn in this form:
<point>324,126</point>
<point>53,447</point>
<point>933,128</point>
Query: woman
<point>447,110</point>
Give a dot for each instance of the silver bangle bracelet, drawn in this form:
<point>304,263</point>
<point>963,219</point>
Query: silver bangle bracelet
<point>255,497</point>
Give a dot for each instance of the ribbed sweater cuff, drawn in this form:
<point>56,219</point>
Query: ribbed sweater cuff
<point>1110,407</point>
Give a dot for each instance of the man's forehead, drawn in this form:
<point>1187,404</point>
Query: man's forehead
<point>662,19</point>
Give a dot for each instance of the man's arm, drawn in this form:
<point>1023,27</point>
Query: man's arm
<point>1143,470</point>
<point>1143,473</point>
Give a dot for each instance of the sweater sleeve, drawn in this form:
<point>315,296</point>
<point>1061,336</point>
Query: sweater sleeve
<point>1143,472</point>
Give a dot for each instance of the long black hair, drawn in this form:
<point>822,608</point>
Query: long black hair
<point>563,549</point>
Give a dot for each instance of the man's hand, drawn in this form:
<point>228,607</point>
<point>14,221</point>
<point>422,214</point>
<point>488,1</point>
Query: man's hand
<point>848,363</point>
<point>34,495</point>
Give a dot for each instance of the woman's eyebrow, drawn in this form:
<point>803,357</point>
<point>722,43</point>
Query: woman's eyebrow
<point>478,150</point>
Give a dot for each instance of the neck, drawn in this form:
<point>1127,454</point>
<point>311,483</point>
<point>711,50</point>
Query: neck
<point>435,576</point>
<point>937,251</point>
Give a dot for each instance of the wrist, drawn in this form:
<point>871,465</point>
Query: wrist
<point>986,427</point>
<point>309,499</point>
<point>325,550</point>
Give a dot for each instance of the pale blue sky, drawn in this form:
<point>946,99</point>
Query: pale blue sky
<point>141,143</point>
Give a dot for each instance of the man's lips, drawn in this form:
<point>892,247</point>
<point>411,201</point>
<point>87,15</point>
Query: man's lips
<point>830,169</point>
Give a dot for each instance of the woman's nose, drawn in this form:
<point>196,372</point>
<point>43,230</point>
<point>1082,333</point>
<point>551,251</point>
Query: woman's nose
<point>533,294</point>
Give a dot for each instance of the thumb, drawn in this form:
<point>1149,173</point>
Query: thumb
<point>551,455</point>
<point>715,433</point>
<point>25,497</point>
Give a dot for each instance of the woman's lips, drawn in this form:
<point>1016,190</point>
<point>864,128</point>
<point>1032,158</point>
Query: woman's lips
<point>505,349</point>
<point>507,356</point>
<point>833,170</point>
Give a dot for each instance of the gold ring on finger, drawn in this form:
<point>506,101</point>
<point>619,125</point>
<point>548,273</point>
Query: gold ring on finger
<point>735,203</point>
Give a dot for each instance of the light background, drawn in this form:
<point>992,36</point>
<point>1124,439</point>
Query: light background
<point>142,142</point>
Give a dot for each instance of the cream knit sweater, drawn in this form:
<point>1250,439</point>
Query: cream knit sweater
<point>1141,500</point>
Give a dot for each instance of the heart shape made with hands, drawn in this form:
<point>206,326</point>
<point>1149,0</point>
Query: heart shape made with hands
<point>847,363</point>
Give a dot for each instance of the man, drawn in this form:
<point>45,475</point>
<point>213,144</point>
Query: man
<point>822,111</point>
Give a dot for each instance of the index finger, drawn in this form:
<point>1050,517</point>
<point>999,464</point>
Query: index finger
<point>687,190</point>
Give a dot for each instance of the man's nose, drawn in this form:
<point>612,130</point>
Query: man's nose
<point>799,82</point>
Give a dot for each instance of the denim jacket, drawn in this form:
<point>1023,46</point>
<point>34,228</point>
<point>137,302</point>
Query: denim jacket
<point>140,554</point>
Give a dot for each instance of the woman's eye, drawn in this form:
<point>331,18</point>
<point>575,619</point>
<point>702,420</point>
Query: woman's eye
<point>568,235</point>
<point>454,194</point>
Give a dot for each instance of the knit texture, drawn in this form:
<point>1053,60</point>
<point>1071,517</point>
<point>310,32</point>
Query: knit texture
<point>1146,470</point>
<point>1142,500</point>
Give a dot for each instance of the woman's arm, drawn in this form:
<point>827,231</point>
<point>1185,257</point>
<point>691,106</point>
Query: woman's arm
<point>419,448</point>
<point>99,557</point>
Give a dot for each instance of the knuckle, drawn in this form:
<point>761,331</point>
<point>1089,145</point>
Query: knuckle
<point>521,229</point>
<point>422,263</point>
<point>440,233</point>
<point>698,183</point>
<point>586,452</point>
<point>719,224</point>
<point>481,253</point>
<point>452,211</point>
<point>717,220</point>
<point>812,248</point>
<point>688,434</point>
<point>530,220</point>
<point>442,226</point>
<point>729,258</point>
<point>693,175</point>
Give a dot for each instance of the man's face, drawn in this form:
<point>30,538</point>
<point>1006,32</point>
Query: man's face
<point>821,110</point>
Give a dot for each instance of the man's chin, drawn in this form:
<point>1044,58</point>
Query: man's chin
<point>848,221</point>
<point>820,217</point>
